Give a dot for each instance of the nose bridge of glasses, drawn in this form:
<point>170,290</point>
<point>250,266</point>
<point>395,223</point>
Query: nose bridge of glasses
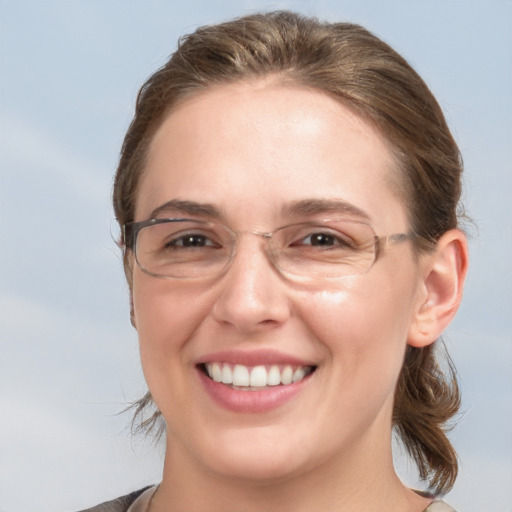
<point>266,239</point>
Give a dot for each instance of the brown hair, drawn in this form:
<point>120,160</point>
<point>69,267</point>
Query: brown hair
<point>365,74</point>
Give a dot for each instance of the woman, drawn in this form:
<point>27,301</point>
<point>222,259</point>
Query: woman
<point>288,195</point>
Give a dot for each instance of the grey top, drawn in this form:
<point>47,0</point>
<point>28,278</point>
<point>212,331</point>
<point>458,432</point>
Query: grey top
<point>439,506</point>
<point>123,503</point>
<point>118,505</point>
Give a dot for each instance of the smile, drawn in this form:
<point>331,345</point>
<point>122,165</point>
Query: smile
<point>256,378</point>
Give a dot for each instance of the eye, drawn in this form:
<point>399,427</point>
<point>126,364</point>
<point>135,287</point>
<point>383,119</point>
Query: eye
<point>325,239</point>
<point>320,239</point>
<point>194,240</point>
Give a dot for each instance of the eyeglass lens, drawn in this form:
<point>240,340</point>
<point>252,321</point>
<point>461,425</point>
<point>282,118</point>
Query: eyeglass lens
<point>310,250</point>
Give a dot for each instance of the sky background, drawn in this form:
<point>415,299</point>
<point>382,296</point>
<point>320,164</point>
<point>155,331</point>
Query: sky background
<point>69,74</point>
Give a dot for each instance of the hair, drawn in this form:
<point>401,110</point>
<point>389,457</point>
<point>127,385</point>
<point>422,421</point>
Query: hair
<point>366,75</point>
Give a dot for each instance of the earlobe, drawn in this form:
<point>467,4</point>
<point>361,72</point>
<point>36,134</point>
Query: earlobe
<point>441,288</point>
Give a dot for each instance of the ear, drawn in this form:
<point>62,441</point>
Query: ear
<point>444,273</point>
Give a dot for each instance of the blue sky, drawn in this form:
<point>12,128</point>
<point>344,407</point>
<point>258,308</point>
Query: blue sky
<point>69,73</point>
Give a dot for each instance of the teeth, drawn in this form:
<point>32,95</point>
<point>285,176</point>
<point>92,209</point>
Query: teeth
<point>241,376</point>
<point>216,372</point>
<point>226,375</point>
<point>258,377</point>
<point>287,376</point>
<point>274,376</point>
<point>298,374</point>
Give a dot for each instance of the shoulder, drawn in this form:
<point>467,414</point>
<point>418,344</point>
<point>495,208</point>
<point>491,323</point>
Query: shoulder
<point>118,505</point>
<point>439,506</point>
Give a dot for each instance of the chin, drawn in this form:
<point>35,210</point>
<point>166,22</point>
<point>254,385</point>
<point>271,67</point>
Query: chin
<point>256,468</point>
<point>253,455</point>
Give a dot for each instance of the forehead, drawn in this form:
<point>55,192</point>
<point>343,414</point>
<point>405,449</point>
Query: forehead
<point>264,144</point>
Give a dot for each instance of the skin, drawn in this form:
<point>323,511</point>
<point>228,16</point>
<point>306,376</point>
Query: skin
<point>249,149</point>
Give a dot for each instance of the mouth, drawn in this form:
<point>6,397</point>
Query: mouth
<point>255,378</point>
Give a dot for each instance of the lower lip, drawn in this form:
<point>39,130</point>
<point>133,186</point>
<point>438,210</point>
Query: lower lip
<point>251,401</point>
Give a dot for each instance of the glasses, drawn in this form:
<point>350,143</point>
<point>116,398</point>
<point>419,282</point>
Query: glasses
<point>306,251</point>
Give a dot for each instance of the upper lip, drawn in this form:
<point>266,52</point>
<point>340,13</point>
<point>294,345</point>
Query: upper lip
<point>254,358</point>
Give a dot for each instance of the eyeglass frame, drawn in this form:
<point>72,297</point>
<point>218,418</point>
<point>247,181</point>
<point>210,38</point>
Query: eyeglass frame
<point>131,230</point>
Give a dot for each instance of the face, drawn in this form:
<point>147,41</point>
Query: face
<point>244,155</point>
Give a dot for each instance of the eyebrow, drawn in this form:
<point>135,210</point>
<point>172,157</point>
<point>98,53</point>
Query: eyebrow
<point>298,208</point>
<point>320,206</point>
<point>187,208</point>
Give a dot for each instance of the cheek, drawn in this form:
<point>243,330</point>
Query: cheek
<point>363,327</point>
<point>165,317</point>
<point>363,333</point>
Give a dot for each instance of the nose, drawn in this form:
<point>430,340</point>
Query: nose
<point>253,296</point>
